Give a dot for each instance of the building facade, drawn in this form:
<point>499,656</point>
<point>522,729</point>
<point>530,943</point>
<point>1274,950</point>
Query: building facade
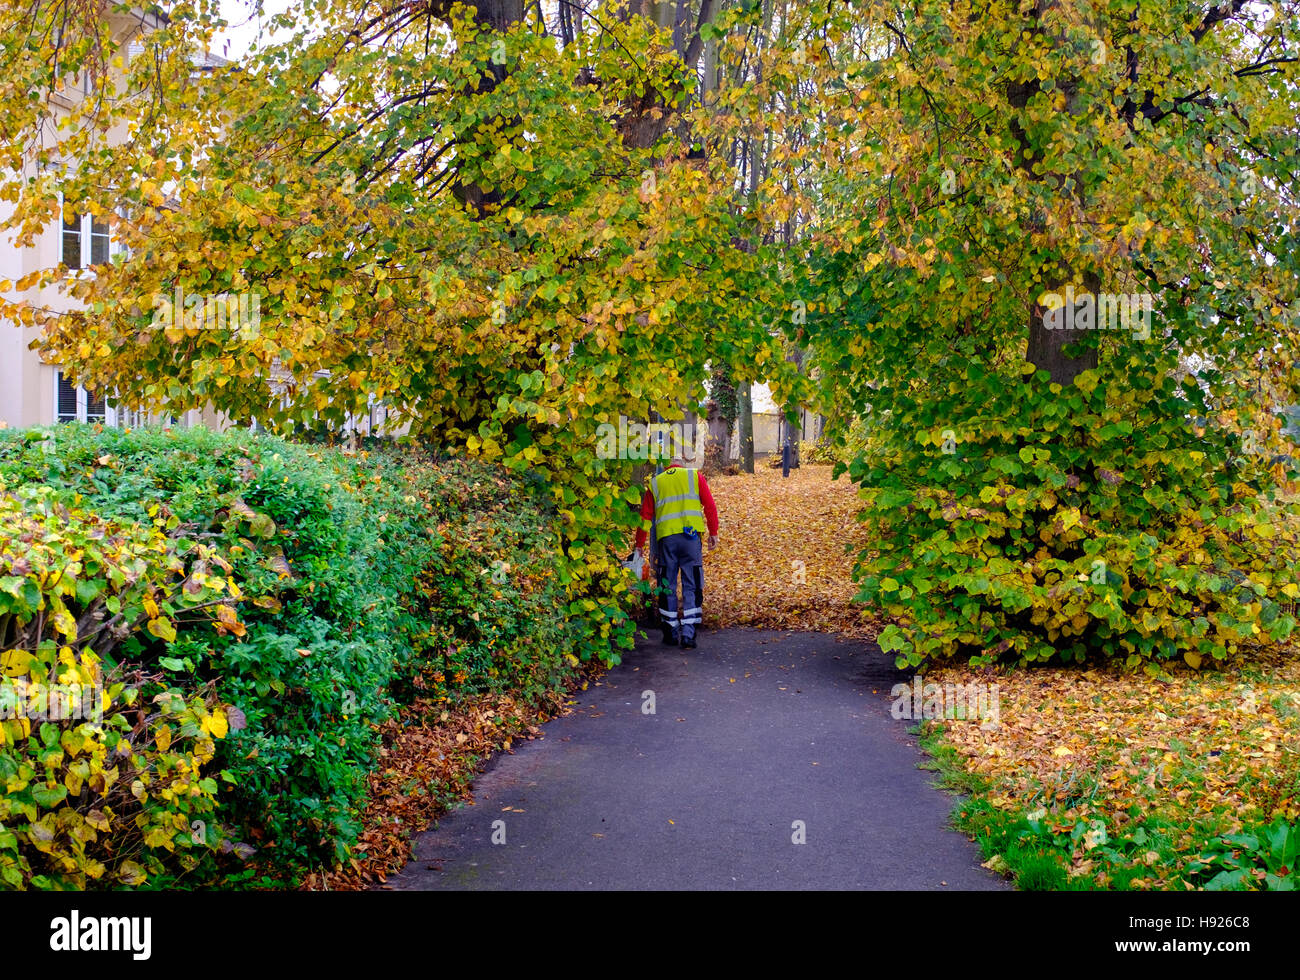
<point>33,390</point>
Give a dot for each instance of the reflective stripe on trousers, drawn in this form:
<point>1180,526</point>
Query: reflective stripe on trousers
<point>681,554</point>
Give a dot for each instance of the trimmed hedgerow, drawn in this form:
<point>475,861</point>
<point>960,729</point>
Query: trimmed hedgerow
<point>1033,522</point>
<point>359,579</point>
<point>106,768</point>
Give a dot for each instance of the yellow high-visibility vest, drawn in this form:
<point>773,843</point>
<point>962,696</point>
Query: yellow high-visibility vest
<point>677,501</point>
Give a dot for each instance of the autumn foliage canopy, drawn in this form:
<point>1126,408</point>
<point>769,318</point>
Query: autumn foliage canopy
<point>513,225</point>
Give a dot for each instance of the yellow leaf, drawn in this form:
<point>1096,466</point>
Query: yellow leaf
<point>14,663</point>
<point>131,873</point>
<point>216,725</point>
<point>163,629</point>
<point>65,624</point>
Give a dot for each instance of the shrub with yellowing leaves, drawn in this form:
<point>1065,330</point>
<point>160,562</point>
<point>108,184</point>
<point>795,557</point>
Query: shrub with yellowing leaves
<point>355,580</point>
<point>1032,521</point>
<point>102,765</point>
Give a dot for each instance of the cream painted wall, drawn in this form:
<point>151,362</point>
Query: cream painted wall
<point>27,383</point>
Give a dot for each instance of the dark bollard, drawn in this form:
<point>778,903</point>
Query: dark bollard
<point>785,459</point>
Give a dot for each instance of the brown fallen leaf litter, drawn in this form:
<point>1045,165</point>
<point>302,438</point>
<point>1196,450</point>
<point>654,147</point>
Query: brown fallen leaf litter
<point>429,756</point>
<point>781,561</point>
<point>1218,749</point>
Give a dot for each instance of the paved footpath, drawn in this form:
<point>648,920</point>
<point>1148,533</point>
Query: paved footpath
<point>751,732</point>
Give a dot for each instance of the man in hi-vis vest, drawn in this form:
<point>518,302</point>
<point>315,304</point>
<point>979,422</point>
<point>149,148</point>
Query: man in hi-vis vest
<point>680,506</point>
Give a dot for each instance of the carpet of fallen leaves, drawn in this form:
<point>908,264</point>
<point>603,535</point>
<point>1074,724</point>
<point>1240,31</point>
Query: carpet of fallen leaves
<point>429,756</point>
<point>781,560</point>
<point>1201,751</point>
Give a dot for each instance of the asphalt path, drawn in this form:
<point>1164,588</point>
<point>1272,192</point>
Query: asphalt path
<point>770,761</point>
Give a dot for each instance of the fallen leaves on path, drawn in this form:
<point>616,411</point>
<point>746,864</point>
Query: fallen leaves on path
<point>429,756</point>
<point>781,562</point>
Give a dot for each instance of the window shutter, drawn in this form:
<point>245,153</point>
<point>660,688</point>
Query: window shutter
<point>95,409</point>
<point>67,400</point>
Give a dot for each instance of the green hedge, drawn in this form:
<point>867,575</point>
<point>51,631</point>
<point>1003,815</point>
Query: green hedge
<point>361,580</point>
<point>1021,521</point>
<point>102,764</point>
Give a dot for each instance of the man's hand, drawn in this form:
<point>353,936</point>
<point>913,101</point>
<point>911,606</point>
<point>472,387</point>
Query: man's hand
<point>713,541</point>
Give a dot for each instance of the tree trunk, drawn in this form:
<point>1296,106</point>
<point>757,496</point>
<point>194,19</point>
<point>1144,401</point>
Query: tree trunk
<point>497,16</point>
<point>719,436</point>
<point>746,422</point>
<point>1046,348</point>
<point>649,115</point>
<point>795,432</point>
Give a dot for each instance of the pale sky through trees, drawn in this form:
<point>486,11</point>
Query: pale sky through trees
<point>245,24</point>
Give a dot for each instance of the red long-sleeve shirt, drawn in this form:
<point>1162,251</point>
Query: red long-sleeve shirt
<point>648,510</point>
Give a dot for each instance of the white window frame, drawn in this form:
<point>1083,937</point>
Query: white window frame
<point>83,404</point>
<point>128,418</point>
<point>115,416</point>
<point>85,229</point>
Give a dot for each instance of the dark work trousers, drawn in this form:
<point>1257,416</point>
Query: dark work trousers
<point>679,553</point>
